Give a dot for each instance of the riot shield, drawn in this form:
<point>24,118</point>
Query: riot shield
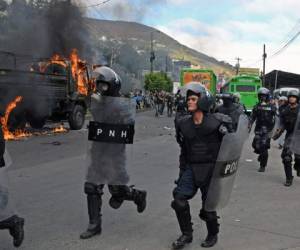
<point>6,204</point>
<point>110,130</point>
<point>224,173</point>
<point>295,141</point>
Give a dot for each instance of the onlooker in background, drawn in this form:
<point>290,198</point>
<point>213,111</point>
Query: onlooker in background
<point>161,102</point>
<point>170,104</point>
<point>156,102</point>
<point>180,104</point>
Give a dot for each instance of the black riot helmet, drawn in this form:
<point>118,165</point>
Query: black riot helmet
<point>194,88</point>
<point>108,83</point>
<point>228,99</point>
<point>206,102</point>
<point>294,93</point>
<point>263,94</point>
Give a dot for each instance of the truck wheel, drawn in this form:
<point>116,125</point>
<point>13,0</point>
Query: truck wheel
<point>37,122</point>
<point>77,117</point>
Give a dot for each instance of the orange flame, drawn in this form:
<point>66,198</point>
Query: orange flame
<point>4,120</point>
<point>59,129</point>
<point>78,69</point>
<point>55,59</point>
<point>79,72</point>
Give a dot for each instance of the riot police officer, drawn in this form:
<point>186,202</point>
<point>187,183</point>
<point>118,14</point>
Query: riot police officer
<point>264,115</point>
<point>288,118</point>
<point>230,108</point>
<point>180,103</point>
<point>108,160</point>
<point>199,136</point>
<point>8,219</point>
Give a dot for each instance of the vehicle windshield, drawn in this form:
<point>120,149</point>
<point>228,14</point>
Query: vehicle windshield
<point>245,88</point>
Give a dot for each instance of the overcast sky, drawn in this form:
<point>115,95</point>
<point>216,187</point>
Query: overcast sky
<point>224,29</point>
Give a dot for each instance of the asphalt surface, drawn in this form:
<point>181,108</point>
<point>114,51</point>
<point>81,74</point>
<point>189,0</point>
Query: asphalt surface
<point>47,179</point>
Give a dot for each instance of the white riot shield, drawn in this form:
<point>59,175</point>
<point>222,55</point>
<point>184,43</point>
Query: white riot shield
<point>109,132</point>
<point>6,205</point>
<point>295,141</point>
<point>223,177</point>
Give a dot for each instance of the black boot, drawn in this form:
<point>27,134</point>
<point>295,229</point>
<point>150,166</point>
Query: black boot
<point>186,226</point>
<point>289,182</point>
<point>15,225</point>
<point>263,160</point>
<point>94,202</point>
<point>212,235</point>
<point>182,241</point>
<point>289,175</point>
<point>138,197</point>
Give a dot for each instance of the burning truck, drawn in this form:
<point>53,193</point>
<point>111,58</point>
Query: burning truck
<point>54,89</point>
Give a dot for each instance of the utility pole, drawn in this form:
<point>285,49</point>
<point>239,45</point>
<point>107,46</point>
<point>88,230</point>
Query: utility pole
<point>238,65</point>
<point>152,54</point>
<point>166,64</point>
<point>264,64</point>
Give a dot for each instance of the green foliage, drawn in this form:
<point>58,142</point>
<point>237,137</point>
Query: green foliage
<point>158,81</point>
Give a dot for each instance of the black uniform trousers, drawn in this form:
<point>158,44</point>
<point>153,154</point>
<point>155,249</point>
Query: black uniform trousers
<point>185,190</point>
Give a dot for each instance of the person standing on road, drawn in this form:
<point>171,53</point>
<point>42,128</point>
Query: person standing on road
<point>264,114</point>
<point>161,102</point>
<point>156,103</point>
<point>170,103</point>
<point>8,219</point>
<point>199,136</point>
<point>108,160</point>
<point>180,104</point>
<point>288,120</point>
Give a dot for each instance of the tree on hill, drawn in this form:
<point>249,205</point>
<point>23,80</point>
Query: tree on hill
<point>158,81</point>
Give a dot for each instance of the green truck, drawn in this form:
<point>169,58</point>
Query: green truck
<point>247,86</point>
<point>202,76</point>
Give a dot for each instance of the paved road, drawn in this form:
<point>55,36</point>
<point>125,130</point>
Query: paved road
<point>47,180</point>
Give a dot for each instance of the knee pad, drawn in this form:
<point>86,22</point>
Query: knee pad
<point>286,157</point>
<point>91,188</point>
<point>180,205</point>
<point>208,216</point>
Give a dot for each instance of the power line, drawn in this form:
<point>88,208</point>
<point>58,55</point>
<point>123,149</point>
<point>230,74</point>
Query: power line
<point>96,5</point>
<point>286,45</point>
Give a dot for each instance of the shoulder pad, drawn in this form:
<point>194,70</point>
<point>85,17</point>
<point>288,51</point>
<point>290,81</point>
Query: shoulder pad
<point>222,118</point>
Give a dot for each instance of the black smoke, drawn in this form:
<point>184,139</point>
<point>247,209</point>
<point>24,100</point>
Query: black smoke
<point>33,30</point>
<point>40,28</point>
